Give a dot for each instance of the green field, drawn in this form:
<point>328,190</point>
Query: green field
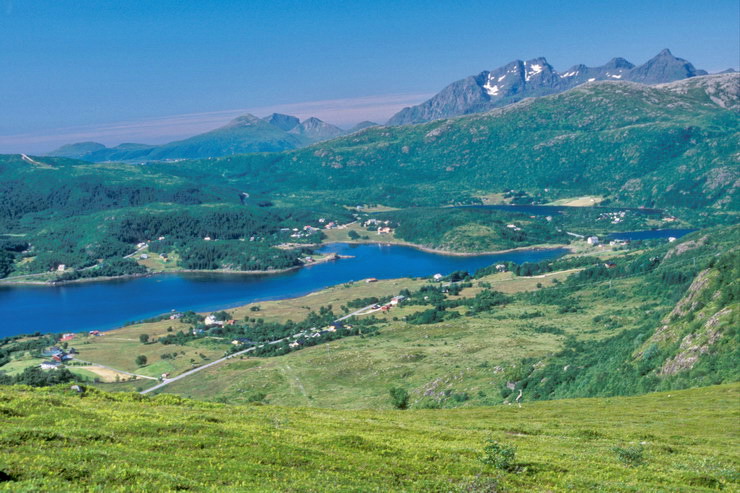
<point>685,441</point>
<point>465,356</point>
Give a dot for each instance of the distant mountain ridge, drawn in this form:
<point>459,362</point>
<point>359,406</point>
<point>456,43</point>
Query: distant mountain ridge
<point>242,135</point>
<point>532,78</point>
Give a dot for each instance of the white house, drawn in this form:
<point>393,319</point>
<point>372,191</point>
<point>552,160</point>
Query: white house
<point>211,320</point>
<point>438,277</point>
<point>592,240</point>
<point>61,267</point>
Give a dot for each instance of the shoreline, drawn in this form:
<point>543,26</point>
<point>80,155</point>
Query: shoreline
<point>533,248</point>
<point>329,258</point>
<point>10,283</point>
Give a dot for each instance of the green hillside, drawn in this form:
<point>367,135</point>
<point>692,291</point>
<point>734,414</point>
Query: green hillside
<point>669,147</point>
<point>589,331</point>
<point>59,439</point>
<point>637,145</point>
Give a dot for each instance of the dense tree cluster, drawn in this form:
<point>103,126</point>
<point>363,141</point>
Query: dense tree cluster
<point>36,377</point>
<point>20,344</point>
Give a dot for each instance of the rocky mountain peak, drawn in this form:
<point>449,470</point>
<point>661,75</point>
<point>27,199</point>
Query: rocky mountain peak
<point>533,78</point>
<point>245,120</point>
<point>281,121</point>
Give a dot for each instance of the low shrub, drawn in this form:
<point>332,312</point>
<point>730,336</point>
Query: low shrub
<point>499,455</point>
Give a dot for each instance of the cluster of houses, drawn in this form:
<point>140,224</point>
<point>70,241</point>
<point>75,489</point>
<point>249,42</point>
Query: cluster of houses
<point>614,217</point>
<point>383,226</point>
<point>301,337</point>
<point>58,357</point>
<point>307,231</point>
<point>395,301</point>
<point>327,223</point>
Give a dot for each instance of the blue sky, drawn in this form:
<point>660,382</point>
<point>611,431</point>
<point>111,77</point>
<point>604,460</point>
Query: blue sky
<point>155,70</point>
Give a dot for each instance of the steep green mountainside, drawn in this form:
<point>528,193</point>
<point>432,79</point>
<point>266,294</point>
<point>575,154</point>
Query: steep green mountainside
<point>696,343</point>
<point>635,144</point>
<point>59,439</point>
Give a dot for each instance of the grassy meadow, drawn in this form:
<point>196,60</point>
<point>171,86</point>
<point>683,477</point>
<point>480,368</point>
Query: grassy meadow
<point>55,438</point>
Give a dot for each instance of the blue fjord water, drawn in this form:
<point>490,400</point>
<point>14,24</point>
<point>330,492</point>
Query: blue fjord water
<point>109,304</point>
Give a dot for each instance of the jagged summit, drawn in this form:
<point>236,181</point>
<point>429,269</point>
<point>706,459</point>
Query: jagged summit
<point>316,130</point>
<point>283,122</point>
<point>664,67</point>
<point>536,77</point>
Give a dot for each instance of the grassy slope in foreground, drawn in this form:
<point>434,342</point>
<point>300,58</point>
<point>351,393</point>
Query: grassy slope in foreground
<point>55,438</point>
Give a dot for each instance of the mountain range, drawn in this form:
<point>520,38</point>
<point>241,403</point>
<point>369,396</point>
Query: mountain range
<point>503,86</point>
<point>244,134</point>
<point>519,79</point>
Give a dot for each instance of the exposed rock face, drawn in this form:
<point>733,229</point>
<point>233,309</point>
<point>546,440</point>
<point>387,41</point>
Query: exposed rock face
<point>694,345</point>
<point>722,89</point>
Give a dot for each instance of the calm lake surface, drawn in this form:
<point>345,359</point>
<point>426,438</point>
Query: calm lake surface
<point>110,304</point>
